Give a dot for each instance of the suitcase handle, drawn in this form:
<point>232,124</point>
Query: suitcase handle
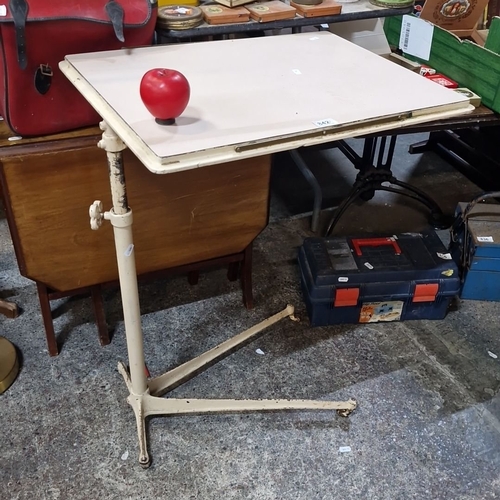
<point>374,242</point>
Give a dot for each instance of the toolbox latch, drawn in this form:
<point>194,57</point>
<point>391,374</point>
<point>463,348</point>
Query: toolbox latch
<point>346,297</point>
<point>425,292</point>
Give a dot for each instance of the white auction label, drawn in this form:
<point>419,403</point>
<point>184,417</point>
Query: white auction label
<point>325,122</point>
<point>129,250</point>
<point>416,37</point>
<point>487,239</point>
<point>3,10</point>
<point>445,256</point>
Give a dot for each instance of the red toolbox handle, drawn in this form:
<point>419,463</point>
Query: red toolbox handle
<point>374,242</point>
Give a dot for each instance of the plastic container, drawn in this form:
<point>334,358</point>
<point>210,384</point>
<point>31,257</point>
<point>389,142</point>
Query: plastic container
<point>476,248</point>
<point>367,280</point>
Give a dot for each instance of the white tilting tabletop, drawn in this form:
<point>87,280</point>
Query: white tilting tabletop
<point>256,96</point>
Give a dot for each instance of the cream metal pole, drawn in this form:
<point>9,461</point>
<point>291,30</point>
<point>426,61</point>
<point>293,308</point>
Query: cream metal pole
<point>121,219</point>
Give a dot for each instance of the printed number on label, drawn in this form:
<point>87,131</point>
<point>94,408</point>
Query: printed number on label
<point>325,122</point>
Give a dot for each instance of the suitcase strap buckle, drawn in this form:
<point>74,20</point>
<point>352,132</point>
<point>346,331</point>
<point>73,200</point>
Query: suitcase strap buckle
<point>46,70</point>
<point>43,78</point>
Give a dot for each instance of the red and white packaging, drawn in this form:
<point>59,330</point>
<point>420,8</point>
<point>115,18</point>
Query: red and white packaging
<point>427,70</point>
<point>443,80</point>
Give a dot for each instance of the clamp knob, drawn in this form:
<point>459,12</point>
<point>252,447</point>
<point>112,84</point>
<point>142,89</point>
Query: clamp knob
<point>96,213</point>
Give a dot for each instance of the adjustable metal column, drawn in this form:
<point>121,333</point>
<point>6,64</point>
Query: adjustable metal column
<point>143,393</point>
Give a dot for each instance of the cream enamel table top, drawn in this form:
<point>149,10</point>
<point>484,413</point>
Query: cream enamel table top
<point>256,96</point>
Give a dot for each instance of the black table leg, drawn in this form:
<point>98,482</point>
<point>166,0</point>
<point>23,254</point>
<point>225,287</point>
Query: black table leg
<point>377,176</point>
<point>313,182</point>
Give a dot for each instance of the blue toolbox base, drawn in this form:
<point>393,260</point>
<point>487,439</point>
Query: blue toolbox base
<point>367,280</point>
<point>477,249</point>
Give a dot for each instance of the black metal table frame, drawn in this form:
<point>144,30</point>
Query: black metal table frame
<point>375,166</point>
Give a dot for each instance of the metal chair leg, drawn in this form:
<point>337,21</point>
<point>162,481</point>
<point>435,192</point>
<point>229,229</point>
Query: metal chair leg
<point>313,182</point>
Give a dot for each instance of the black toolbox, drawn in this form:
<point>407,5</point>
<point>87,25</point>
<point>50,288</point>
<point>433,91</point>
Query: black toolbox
<point>366,280</point>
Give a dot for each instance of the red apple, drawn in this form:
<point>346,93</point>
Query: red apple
<point>165,93</point>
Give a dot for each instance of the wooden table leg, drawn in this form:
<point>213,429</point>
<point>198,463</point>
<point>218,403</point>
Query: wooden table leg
<point>8,309</point>
<point>193,277</point>
<point>233,271</point>
<point>99,314</point>
<point>246,277</point>
<point>43,297</point>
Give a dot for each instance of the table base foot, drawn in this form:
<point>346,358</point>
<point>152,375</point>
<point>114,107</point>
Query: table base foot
<point>150,403</point>
<point>159,386</point>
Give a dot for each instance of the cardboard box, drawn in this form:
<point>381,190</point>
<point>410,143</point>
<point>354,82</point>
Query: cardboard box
<point>458,16</point>
<point>469,64</point>
<point>366,33</point>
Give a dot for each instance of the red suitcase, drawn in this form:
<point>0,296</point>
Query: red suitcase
<point>35,35</point>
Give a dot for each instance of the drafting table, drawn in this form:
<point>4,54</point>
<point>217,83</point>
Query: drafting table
<point>249,97</point>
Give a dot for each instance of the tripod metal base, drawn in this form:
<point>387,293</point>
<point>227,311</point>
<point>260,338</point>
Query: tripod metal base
<point>149,403</point>
<point>143,393</point>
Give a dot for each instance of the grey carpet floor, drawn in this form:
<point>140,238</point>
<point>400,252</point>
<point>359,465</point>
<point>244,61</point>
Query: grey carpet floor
<point>427,425</point>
